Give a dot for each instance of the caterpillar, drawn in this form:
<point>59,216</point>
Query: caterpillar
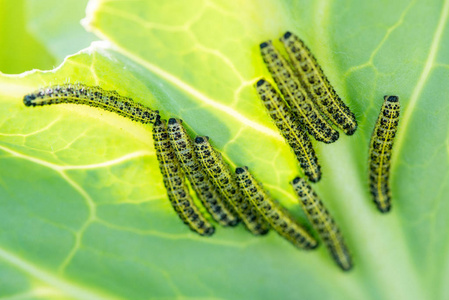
<point>177,190</point>
<point>221,176</point>
<point>279,219</point>
<point>317,85</point>
<point>93,96</point>
<point>295,96</point>
<point>290,129</point>
<point>380,149</point>
<point>220,210</point>
<point>323,222</point>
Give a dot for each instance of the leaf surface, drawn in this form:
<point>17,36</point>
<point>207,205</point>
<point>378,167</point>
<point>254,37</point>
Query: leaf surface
<point>84,211</point>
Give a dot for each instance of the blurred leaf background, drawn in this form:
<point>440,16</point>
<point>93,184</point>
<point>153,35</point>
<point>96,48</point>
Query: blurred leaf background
<point>83,212</point>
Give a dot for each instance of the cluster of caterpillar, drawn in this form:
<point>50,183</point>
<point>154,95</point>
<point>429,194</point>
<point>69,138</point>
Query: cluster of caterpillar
<point>233,197</point>
<point>174,181</point>
<point>308,103</point>
<point>179,158</point>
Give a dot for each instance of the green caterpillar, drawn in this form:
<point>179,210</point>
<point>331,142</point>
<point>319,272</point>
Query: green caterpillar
<point>380,149</point>
<point>323,222</point>
<point>290,129</point>
<point>279,219</point>
<point>93,96</point>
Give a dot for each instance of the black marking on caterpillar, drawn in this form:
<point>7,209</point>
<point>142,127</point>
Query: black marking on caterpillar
<point>296,96</point>
<point>316,83</point>
<point>290,129</point>
<point>380,149</point>
<point>177,190</point>
<point>221,176</point>
<point>279,218</point>
<point>93,96</point>
<point>323,222</point>
<point>219,208</point>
